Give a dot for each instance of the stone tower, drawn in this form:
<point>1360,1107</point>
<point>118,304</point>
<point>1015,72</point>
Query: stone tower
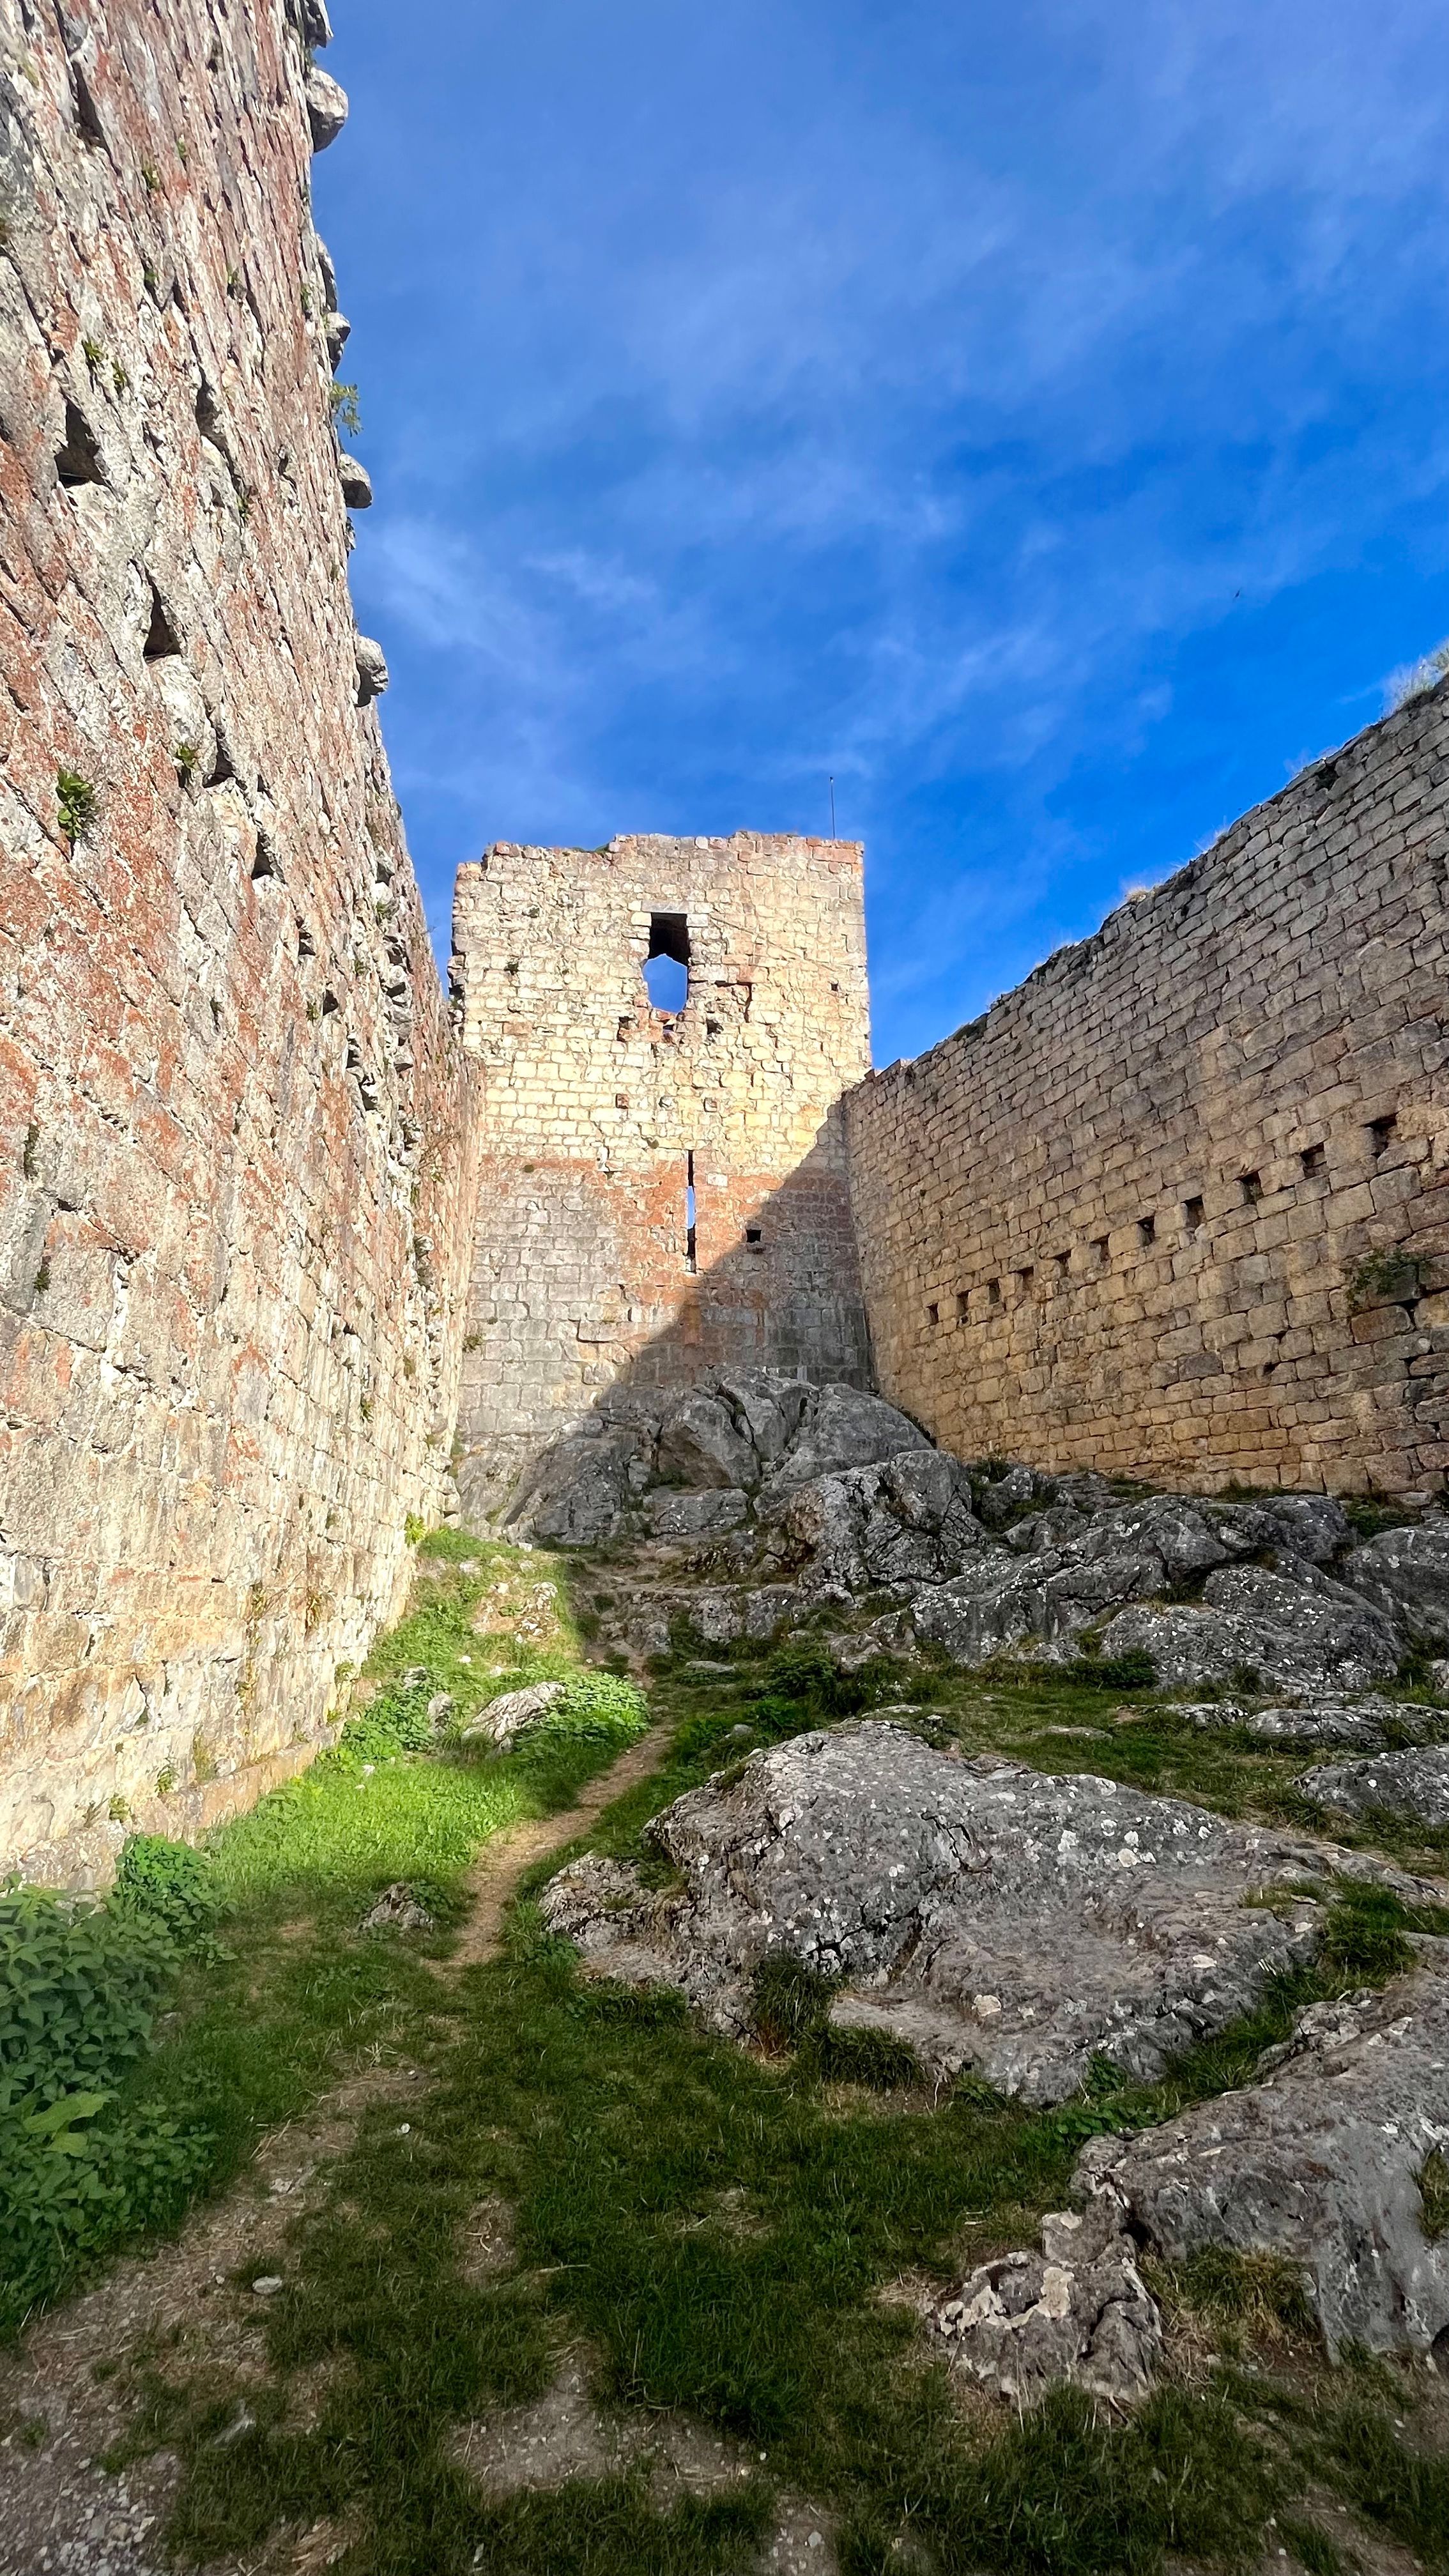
<point>663,1186</point>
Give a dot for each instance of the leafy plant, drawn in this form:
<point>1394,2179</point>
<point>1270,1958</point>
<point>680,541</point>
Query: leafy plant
<point>151,177</point>
<point>414,1529</point>
<point>93,353</point>
<point>188,759</point>
<point>345,411</point>
<point>76,800</point>
<point>168,1884</point>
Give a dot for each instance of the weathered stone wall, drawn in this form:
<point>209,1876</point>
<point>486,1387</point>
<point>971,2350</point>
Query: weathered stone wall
<point>597,1108</point>
<point>235,1137</point>
<point>1179,1205</point>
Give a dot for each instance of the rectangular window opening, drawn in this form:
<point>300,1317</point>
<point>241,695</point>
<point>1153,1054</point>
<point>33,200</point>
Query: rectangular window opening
<point>666,967</point>
<point>933,1314</point>
<point>1251,1185</point>
<point>1146,1229</point>
<point>691,1241</point>
<point>962,1303</point>
<point>1192,1213</point>
<point>1100,1244</point>
<point>1382,1132</point>
<point>993,1292</point>
<point>1311,1159</point>
<point>755,1238</point>
<point>1024,1280</point>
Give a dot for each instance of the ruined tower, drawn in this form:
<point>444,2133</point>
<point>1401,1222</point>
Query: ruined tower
<point>663,1184</point>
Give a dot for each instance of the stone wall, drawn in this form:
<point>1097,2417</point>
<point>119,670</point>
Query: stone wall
<point>235,1123</point>
<point>601,1114</point>
<point>1179,1205</point>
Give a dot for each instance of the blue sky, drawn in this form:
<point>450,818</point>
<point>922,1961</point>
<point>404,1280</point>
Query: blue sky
<point>1036,416</point>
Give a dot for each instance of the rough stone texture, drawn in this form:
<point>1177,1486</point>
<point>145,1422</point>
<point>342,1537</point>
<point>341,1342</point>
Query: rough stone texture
<point>1320,2162</point>
<point>1405,1573</point>
<point>986,1915</point>
<point>511,1714</point>
<point>1414,1783</point>
<point>1122,1219</point>
<point>599,1108</point>
<point>1370,1725</point>
<point>396,1910</point>
<point>1078,2311</point>
<point>235,1138</point>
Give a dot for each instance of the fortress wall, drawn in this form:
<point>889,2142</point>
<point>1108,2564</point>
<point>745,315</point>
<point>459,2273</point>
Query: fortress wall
<point>235,1123</point>
<point>594,1104</point>
<point>1178,1207</point>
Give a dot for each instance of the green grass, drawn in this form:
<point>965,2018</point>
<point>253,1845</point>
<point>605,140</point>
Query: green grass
<point>719,2232</point>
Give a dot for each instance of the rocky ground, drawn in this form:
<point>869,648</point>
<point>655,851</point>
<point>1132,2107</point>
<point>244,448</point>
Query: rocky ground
<point>968,2093</point>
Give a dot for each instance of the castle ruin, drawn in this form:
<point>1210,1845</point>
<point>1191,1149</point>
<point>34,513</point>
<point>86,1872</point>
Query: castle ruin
<point>280,1226</point>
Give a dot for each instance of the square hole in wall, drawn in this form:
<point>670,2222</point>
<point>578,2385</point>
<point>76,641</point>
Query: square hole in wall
<point>1147,1229</point>
<point>755,1238</point>
<point>1312,1160</point>
<point>1024,1280</point>
<point>933,1314</point>
<point>993,1292</point>
<point>1382,1132</point>
<point>963,1303</point>
<point>1251,1185</point>
<point>1192,1214</point>
<point>1100,1246</point>
<point>1063,1261</point>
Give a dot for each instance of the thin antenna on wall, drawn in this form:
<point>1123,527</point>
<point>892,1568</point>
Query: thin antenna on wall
<point>832,809</point>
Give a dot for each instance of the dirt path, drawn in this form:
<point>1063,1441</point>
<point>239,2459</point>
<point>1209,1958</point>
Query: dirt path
<point>494,1879</point>
<point>61,2513</point>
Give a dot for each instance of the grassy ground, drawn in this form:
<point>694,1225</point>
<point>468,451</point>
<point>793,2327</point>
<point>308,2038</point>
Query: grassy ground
<point>729,2236</point>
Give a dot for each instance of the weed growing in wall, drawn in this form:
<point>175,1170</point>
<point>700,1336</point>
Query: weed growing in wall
<point>76,803</point>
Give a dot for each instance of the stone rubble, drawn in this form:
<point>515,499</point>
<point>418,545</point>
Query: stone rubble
<point>511,1714</point>
<point>1078,2311</point>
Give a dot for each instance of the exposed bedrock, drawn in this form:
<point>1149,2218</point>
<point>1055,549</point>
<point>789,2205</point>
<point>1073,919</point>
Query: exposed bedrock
<point>985,1915</point>
<point>1413,1784</point>
<point>1322,2162</point>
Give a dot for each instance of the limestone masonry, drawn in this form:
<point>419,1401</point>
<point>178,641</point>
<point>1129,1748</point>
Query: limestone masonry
<point>662,1192</point>
<point>1178,1207</point>
<point>286,1234</point>
<point>234,1120</point>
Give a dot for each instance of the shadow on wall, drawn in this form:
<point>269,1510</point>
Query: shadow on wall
<point>563,1398</point>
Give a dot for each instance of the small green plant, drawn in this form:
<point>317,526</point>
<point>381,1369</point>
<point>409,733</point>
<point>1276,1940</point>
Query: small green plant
<point>243,503</point>
<point>165,1779</point>
<point>1419,678</point>
<point>306,302</point>
<point>1383,1278</point>
<point>345,412</point>
<point>188,760</point>
<point>76,801</point>
<point>233,281</point>
<point>151,176</point>
<point>93,354</point>
<point>182,153</point>
<point>42,1276</point>
<point>168,1884</point>
<point>1434,2196</point>
<point>118,1810</point>
<point>119,377</point>
<point>149,278</point>
<point>364,1407</point>
<point>414,1529</point>
<point>1133,1671</point>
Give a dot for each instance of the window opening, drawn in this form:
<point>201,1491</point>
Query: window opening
<point>1251,1184</point>
<point>1100,1243</point>
<point>1024,1279</point>
<point>993,1292</point>
<point>1192,1214</point>
<point>1064,1264</point>
<point>1146,1229</point>
<point>963,1303</point>
<point>666,968</point>
<point>755,1237</point>
<point>933,1314</point>
<point>1311,1159</point>
<point>1382,1132</point>
<point>691,1240</point>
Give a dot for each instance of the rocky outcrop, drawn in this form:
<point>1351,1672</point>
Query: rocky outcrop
<point>982,1914</point>
<point>1369,1725</point>
<point>1413,1784</point>
<point>1078,2311</point>
<point>1321,2163</point>
<point>511,1714</point>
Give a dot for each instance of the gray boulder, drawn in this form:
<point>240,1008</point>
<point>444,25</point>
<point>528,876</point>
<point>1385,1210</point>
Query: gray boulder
<point>1078,2311</point>
<point>844,1428</point>
<point>768,1409</point>
<point>1405,1573</point>
<point>1367,1725</point>
<point>580,1490</point>
<point>876,1528</point>
<point>700,1444</point>
<point>396,1910</point>
<point>1003,1495</point>
<point>356,482</point>
<point>984,1914</point>
<point>1414,1784</point>
<point>1295,1628</point>
<point>511,1714</point>
<point>1320,2162</point>
<point>668,1513</point>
